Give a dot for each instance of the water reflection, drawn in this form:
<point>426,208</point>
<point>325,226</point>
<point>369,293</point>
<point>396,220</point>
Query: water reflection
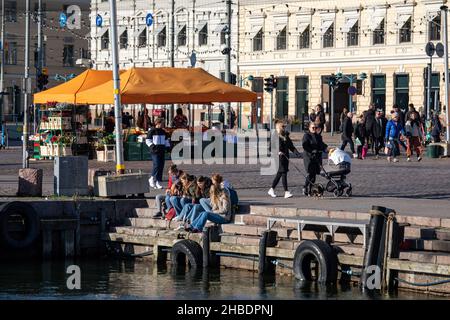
<point>129,279</point>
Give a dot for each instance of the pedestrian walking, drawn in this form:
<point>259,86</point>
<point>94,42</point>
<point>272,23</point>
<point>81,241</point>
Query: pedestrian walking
<point>378,131</point>
<point>369,118</point>
<point>320,118</point>
<point>313,147</point>
<point>393,131</point>
<point>412,109</point>
<point>361,138</point>
<point>347,133</point>
<point>342,117</point>
<point>436,128</point>
<point>414,133</point>
<point>285,145</point>
<point>157,141</point>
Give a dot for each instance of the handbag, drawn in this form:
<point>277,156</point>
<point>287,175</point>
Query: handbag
<point>358,142</point>
<point>171,214</point>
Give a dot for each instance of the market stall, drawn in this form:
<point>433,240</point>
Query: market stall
<point>146,86</point>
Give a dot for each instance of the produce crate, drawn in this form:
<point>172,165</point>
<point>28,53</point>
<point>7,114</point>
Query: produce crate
<point>133,151</point>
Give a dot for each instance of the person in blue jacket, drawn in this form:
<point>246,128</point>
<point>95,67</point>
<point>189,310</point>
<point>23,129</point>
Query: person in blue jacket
<point>394,129</point>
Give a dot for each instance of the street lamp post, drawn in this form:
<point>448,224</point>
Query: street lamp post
<point>444,10</point>
<point>241,83</point>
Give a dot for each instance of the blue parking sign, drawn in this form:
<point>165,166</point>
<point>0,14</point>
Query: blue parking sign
<point>62,19</point>
<point>149,19</point>
<point>99,20</point>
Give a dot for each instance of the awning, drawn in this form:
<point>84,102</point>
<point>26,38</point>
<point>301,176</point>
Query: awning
<point>201,25</point>
<point>102,31</point>
<point>255,31</point>
<point>167,86</point>
<point>180,27</point>
<point>160,28</point>
<point>121,30</point>
<point>139,30</point>
<point>376,22</point>
<point>349,24</point>
<point>325,26</point>
<point>220,27</point>
<point>66,92</point>
<point>279,27</point>
<point>302,27</point>
<point>402,20</point>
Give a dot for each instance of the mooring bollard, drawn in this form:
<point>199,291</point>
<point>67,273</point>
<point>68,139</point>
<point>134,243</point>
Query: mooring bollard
<point>210,234</point>
<point>268,239</point>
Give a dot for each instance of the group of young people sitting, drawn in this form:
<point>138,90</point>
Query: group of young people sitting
<point>192,201</point>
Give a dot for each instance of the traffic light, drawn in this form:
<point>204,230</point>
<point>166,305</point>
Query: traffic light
<point>270,83</point>
<point>42,81</point>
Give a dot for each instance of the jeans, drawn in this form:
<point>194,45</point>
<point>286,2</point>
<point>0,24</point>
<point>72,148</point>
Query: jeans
<point>190,212</point>
<point>204,216</point>
<point>168,203</point>
<point>283,176</point>
<point>176,204</point>
<point>159,201</point>
<point>349,141</point>
<point>205,203</point>
<point>158,166</point>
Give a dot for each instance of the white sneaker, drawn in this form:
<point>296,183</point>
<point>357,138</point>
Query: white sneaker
<point>407,159</point>
<point>419,159</point>
<point>287,194</point>
<point>158,186</point>
<point>180,227</point>
<point>395,160</point>
<point>389,159</point>
<point>151,181</point>
<point>355,155</point>
<point>272,193</point>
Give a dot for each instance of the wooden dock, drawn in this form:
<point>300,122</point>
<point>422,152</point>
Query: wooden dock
<point>424,256</point>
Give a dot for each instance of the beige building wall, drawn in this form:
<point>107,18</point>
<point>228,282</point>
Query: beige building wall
<point>389,58</point>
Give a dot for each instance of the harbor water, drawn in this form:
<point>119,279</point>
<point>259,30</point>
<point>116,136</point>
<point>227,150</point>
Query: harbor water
<point>142,279</point>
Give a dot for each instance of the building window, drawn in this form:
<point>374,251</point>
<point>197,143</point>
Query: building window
<point>10,53</point>
<point>142,39</point>
<point>378,33</point>
<point>301,96</point>
<point>10,11</point>
<point>282,40</point>
<point>68,59</point>
<point>181,38</point>
<point>405,31</point>
<point>223,35</point>
<point>434,28</point>
<point>203,36</point>
<point>282,98</point>
<point>123,39</point>
<point>353,35</point>
<point>304,39</point>
<point>104,40</point>
<point>379,91</point>
<point>84,53</point>
<point>258,41</point>
<point>162,37</point>
<point>328,36</point>
<point>401,90</point>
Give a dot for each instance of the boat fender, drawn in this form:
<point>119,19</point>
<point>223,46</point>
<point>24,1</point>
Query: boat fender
<point>325,256</point>
<point>187,249</point>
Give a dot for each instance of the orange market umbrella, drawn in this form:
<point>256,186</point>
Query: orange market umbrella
<point>66,92</point>
<point>166,86</point>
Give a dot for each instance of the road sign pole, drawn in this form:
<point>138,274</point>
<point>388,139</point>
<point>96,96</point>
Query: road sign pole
<point>25,163</point>
<point>332,110</point>
<point>444,11</point>
<point>120,165</point>
<point>350,97</point>
<point>429,74</point>
<point>271,110</point>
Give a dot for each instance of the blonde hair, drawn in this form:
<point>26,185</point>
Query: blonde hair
<point>216,189</point>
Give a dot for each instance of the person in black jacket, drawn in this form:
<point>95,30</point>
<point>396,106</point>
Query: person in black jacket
<point>285,146</point>
<point>360,134</point>
<point>157,141</point>
<point>347,133</point>
<point>313,147</point>
<point>378,131</point>
<point>368,120</point>
<point>320,118</point>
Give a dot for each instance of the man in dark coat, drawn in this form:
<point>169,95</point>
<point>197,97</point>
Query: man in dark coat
<point>347,133</point>
<point>319,118</point>
<point>285,145</point>
<point>313,147</point>
<point>368,120</point>
<point>379,130</point>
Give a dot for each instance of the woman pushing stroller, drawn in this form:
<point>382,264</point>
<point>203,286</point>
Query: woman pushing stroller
<point>313,147</point>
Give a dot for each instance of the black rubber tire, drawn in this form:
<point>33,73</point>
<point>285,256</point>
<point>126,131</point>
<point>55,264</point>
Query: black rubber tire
<point>326,259</point>
<point>187,249</point>
<point>348,192</point>
<point>31,224</point>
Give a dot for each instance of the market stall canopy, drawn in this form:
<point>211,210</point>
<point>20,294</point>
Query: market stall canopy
<point>167,86</point>
<point>66,92</point>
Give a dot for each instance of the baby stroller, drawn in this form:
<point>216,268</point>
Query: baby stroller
<point>336,173</point>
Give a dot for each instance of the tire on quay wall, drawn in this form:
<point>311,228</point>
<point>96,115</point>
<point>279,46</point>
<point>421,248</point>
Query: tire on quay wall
<point>187,249</point>
<point>325,256</point>
<point>30,220</point>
